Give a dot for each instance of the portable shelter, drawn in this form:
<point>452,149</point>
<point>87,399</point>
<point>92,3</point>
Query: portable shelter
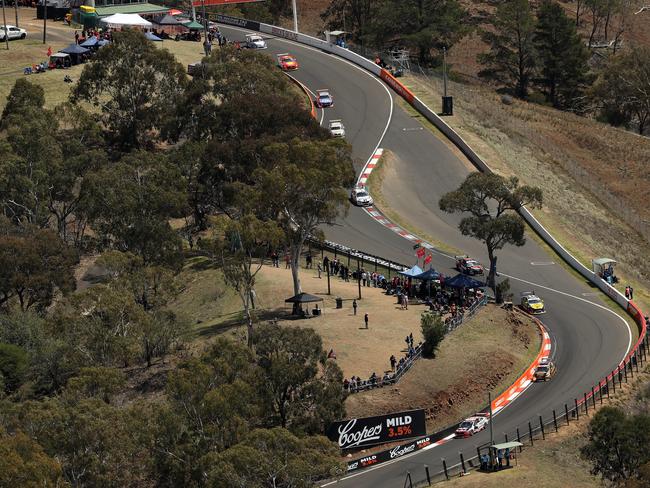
<point>429,275</point>
<point>125,20</point>
<point>193,25</point>
<point>169,24</point>
<point>413,272</point>
<point>463,281</point>
<point>302,298</point>
<point>92,41</point>
<point>152,37</point>
<point>103,42</point>
<point>76,52</point>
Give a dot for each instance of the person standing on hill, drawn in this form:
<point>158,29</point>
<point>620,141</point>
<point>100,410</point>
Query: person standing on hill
<point>354,307</point>
<point>365,319</point>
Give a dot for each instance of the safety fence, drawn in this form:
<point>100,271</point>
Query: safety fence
<point>637,354</point>
<point>455,322</point>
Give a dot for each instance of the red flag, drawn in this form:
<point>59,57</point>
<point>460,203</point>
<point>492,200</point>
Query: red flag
<point>427,260</point>
<point>49,51</point>
<point>420,252</point>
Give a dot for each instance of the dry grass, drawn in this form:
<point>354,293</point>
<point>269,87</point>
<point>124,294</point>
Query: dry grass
<point>501,345</point>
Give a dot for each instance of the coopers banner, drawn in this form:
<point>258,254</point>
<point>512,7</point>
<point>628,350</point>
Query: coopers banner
<point>369,431</point>
<point>199,3</point>
<point>244,24</point>
<point>394,453</point>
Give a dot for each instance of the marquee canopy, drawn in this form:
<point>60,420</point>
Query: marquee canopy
<point>126,19</point>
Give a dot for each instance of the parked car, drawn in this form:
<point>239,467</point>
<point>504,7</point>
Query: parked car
<point>12,32</point>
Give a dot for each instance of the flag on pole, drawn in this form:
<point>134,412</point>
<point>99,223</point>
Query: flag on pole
<point>420,252</point>
<point>49,51</point>
<point>427,260</point>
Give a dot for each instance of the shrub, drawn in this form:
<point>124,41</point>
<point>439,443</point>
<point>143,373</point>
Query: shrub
<point>433,331</point>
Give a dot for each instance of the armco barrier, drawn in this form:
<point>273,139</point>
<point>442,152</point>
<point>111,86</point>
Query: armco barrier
<point>458,141</point>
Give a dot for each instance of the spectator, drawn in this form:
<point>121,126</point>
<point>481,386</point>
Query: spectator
<point>393,362</point>
<point>320,268</point>
<point>354,307</point>
<point>309,260</point>
<point>365,319</point>
<point>331,354</point>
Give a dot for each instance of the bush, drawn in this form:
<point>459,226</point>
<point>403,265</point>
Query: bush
<point>433,331</point>
<point>503,291</point>
<point>13,366</point>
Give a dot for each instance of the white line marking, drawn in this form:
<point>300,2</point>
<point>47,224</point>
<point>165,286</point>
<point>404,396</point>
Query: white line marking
<point>542,263</point>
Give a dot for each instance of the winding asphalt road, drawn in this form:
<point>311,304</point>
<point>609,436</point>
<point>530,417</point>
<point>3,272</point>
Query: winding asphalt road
<point>589,340</point>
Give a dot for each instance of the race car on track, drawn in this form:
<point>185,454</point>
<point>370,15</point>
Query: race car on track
<point>545,370</point>
<point>472,425</point>
<point>253,41</point>
<point>467,265</point>
<point>287,62</point>
<point>531,303</point>
<point>360,197</point>
<point>337,128</point>
<point>324,99</point>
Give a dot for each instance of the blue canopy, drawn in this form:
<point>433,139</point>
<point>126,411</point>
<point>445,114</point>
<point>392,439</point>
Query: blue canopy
<point>463,281</point>
<point>152,37</point>
<point>431,274</point>
<point>74,49</point>
<point>413,272</point>
<point>90,42</point>
<point>103,42</point>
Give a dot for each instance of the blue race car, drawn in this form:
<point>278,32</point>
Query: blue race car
<point>324,99</point>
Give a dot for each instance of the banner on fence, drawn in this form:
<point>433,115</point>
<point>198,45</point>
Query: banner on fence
<point>370,431</point>
<point>244,24</point>
<point>394,453</point>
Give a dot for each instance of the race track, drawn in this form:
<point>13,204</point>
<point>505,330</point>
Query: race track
<point>589,339</point>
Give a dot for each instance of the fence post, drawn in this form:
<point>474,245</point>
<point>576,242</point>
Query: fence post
<point>600,391</point>
<point>593,397</point>
<point>555,420</point>
<point>577,410</point>
<point>607,386</point>
<point>408,478</point>
<point>625,371</point>
<point>566,413</point>
<point>630,363</point>
<point>462,462</point>
<point>586,404</point>
<point>541,426</point>
<point>614,381</point>
<point>636,362</point>
<point>426,470</point>
<point>444,466</point>
<point>530,432</point>
<point>505,436</point>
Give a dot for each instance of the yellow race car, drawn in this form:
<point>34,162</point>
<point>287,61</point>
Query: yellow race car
<point>531,303</point>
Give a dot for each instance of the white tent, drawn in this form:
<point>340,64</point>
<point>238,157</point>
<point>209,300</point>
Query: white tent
<point>117,20</point>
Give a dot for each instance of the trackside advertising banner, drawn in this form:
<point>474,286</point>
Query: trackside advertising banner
<point>394,453</point>
<point>370,431</point>
<point>243,23</point>
<point>199,3</point>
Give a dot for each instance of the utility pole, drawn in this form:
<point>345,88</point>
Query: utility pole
<point>4,26</point>
<point>205,29</point>
<point>295,15</point>
<point>44,21</point>
<point>447,101</point>
<point>16,9</point>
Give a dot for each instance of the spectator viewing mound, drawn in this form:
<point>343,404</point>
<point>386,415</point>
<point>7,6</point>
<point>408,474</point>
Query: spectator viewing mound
<point>488,352</point>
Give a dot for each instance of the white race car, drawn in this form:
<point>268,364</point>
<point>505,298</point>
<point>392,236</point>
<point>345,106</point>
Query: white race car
<point>337,128</point>
<point>360,197</point>
<point>253,41</point>
<point>472,425</point>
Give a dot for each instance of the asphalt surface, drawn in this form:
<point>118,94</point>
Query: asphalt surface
<point>589,339</point>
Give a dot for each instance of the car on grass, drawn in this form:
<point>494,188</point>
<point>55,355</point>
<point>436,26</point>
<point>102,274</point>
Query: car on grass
<point>360,197</point>
<point>337,128</point>
<point>12,32</point>
<point>324,99</point>
<point>254,41</point>
<point>472,425</point>
<point>545,370</point>
<point>531,303</point>
<point>467,265</point>
<point>287,62</point>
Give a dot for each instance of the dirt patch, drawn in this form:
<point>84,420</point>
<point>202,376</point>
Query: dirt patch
<point>500,344</point>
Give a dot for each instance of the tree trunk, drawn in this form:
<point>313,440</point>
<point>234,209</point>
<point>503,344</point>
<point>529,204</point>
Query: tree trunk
<point>295,268</point>
<point>491,280</point>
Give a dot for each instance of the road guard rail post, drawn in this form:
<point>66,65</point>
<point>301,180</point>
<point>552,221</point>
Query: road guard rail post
<point>458,141</point>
